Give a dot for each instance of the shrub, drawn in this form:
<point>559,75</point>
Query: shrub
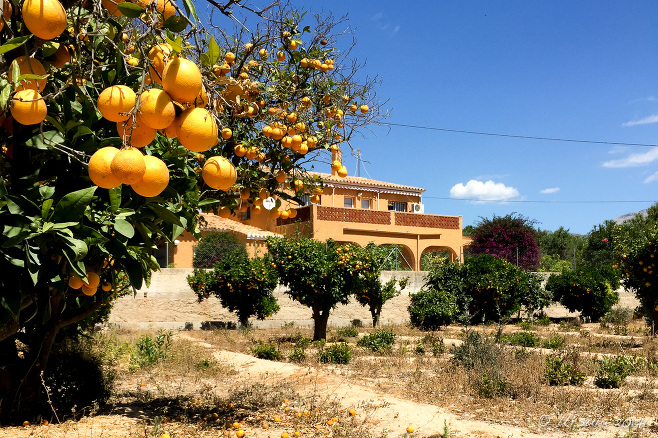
<point>612,371</point>
<point>340,353</point>
<point>526,325</point>
<point>265,351</point>
<point>436,344</point>
<point>585,290</point>
<point>76,377</point>
<point>522,339</point>
<point>348,332</point>
<point>214,247</point>
<point>432,308</point>
<point>618,319</point>
<point>483,361</point>
<point>151,349</point>
<point>378,342</point>
<point>298,354</point>
<point>559,371</point>
<point>555,342</point>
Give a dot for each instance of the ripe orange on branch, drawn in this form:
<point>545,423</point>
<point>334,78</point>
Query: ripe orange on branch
<point>181,79</point>
<point>29,66</point>
<point>128,166</point>
<point>116,102</point>
<point>157,55</point>
<point>137,132</point>
<point>46,19</point>
<point>196,129</point>
<point>156,108</point>
<point>155,179</point>
<point>28,107</point>
<point>219,173</point>
<point>99,168</point>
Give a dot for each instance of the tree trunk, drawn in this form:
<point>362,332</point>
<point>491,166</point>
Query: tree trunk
<point>375,312</point>
<point>320,319</point>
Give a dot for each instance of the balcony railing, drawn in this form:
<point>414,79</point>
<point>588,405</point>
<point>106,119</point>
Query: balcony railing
<point>353,215</point>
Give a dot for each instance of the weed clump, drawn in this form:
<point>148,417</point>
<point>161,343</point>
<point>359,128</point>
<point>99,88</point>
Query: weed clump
<point>265,351</point>
<point>340,353</point>
<point>151,349</point>
<point>561,371</point>
<point>378,342</point>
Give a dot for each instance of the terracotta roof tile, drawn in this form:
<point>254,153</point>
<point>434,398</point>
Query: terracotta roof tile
<point>357,180</point>
<point>216,223</point>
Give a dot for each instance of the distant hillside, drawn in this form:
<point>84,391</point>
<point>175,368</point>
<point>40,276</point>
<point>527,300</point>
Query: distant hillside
<point>628,216</point>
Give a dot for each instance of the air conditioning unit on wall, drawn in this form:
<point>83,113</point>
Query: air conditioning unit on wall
<point>417,208</point>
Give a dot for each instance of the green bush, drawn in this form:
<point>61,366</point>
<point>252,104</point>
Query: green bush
<point>483,361</point>
<point>340,353</point>
<point>488,288</point>
<point>347,332</point>
<point>432,308</point>
<point>151,349</point>
<point>612,371</point>
<point>298,355</point>
<point>378,342</point>
<point>559,372</point>
<point>265,351</point>
<point>522,339</point>
<point>436,344</point>
<point>490,387</point>
<point>585,290</point>
<point>555,342</point>
<point>215,247</point>
<point>617,319</point>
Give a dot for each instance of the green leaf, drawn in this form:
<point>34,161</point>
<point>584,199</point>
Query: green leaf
<point>49,48</point>
<point>213,51</point>
<point>165,214</point>
<point>45,141</point>
<point>5,92</point>
<point>176,23</point>
<point>130,9</point>
<point>82,130</point>
<point>74,249</point>
<point>124,228</point>
<point>72,206</point>
<point>12,303</point>
<point>176,44</point>
<point>115,198</point>
<point>111,141</point>
<point>15,73</point>
<point>13,44</point>
<point>190,9</point>
<point>33,264</point>
<point>45,208</point>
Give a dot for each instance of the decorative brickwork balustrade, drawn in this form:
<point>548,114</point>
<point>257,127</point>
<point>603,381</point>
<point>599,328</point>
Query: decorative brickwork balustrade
<point>335,214</point>
<point>426,220</point>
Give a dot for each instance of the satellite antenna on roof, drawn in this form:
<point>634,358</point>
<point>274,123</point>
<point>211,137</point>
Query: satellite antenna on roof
<point>358,162</point>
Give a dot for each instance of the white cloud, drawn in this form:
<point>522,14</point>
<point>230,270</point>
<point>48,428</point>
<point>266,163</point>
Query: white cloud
<point>634,160</point>
<point>549,190</point>
<point>483,191</point>
<point>644,121</point>
<point>651,178</point>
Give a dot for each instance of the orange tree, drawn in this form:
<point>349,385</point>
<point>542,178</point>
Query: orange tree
<point>365,263</point>
<point>310,270</point>
<point>243,285</point>
<point>635,243</point>
<point>121,121</point>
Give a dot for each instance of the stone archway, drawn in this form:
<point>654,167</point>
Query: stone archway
<point>403,256</point>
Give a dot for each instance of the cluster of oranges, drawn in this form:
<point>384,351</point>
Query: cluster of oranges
<point>46,19</point>
<point>90,285</point>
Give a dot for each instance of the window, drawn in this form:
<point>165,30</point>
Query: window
<point>306,199</point>
<point>348,202</point>
<point>365,204</point>
<point>397,206</point>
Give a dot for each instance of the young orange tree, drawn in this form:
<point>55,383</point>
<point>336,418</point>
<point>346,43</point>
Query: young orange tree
<point>120,120</point>
<point>366,265</point>
<point>310,270</point>
<point>243,285</point>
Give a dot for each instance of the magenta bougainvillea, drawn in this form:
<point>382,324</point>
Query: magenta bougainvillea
<point>511,237</point>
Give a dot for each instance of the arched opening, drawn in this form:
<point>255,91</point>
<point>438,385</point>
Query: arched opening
<point>400,258</point>
<point>436,251</point>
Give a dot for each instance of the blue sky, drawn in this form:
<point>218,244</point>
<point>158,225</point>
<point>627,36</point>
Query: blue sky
<point>561,69</point>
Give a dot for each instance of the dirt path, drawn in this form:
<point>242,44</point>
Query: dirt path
<point>391,414</point>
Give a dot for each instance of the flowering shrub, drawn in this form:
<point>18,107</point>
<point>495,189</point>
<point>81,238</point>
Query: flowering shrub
<point>510,237</point>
